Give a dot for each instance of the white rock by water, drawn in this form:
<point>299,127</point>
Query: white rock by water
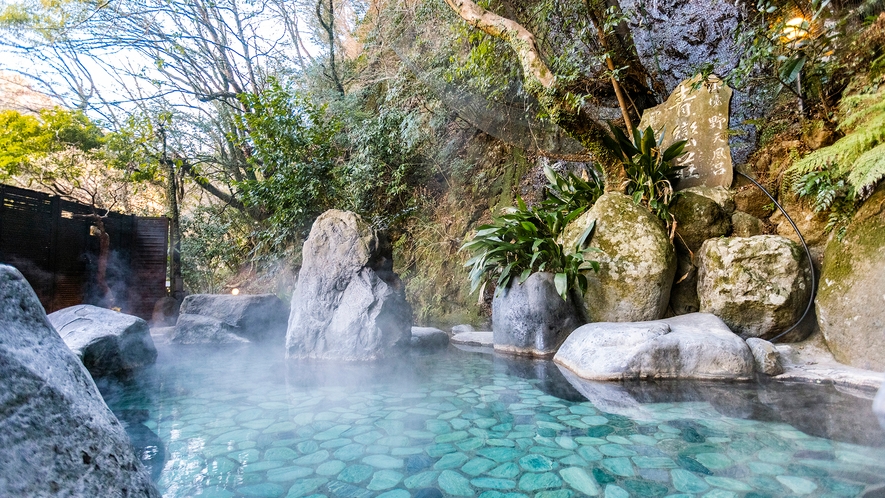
<point>481,338</point>
<point>429,338</point>
<point>768,360</point>
<point>57,436</point>
<point>465,327</point>
<point>693,346</point>
<point>106,341</point>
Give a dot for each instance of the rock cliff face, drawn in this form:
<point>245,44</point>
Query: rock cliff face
<point>348,303</point>
<point>851,299</point>
<point>676,38</point>
<point>637,261</point>
<point>57,435</point>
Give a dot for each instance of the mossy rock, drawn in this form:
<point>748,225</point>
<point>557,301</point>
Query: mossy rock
<point>851,299</point>
<point>637,261</point>
<point>753,201</point>
<point>759,285</point>
<point>746,225</point>
<point>720,195</point>
<point>698,218</point>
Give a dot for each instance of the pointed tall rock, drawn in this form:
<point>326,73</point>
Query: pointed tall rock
<point>348,303</point>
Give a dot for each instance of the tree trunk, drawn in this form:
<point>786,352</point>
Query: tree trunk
<point>176,282</point>
<point>520,39</point>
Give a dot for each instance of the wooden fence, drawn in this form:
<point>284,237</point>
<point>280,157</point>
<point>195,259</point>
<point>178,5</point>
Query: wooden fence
<point>50,241</point>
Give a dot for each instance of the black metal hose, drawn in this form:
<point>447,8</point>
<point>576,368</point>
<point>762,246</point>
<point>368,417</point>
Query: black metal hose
<point>807,252</point>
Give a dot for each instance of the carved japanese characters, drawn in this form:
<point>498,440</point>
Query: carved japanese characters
<point>699,115</point>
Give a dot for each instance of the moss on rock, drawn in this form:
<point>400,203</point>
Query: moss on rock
<point>698,218</point>
<point>851,300</point>
<point>758,285</point>
<point>637,261</point>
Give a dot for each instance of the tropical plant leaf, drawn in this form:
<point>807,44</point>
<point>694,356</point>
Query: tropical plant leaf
<point>525,275</point>
<point>674,150</point>
<point>560,281</point>
<point>792,68</point>
<point>582,240</point>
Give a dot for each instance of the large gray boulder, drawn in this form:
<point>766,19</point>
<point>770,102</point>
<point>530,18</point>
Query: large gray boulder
<point>675,39</point>
<point>851,300</point>
<point>200,329</point>
<point>530,318</point>
<point>429,338</point>
<point>215,318</point>
<point>693,346</point>
<point>637,261</point>
<point>57,435</point>
<point>348,303</point>
<point>106,341</point>
<point>759,285</point>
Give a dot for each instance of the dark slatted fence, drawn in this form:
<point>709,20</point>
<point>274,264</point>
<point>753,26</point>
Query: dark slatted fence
<point>50,241</point>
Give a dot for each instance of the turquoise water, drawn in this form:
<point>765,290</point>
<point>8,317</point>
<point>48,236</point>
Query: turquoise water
<point>243,422</point>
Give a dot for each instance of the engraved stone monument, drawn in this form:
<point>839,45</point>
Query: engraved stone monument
<point>699,115</point>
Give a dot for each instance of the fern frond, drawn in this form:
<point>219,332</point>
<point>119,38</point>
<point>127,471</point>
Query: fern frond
<point>842,155</point>
<point>856,109</point>
<point>868,169</point>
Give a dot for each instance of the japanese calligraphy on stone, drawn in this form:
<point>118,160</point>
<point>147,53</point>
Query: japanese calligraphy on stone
<point>701,117</point>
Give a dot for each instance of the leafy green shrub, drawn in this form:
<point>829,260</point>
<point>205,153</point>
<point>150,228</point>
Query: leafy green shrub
<point>788,45</point>
<point>648,170</point>
<point>384,165</point>
<point>294,158</point>
<point>215,244</point>
<point>525,240</point>
<point>568,193</point>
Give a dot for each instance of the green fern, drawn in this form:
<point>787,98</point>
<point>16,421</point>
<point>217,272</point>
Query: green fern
<point>859,156</point>
<point>869,168</point>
